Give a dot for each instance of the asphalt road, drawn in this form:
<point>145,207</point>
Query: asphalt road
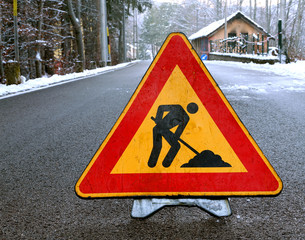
<point>48,137</point>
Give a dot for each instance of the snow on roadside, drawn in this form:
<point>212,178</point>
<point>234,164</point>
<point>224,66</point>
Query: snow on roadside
<point>294,70</point>
<point>38,83</point>
<point>247,56</point>
<point>291,76</point>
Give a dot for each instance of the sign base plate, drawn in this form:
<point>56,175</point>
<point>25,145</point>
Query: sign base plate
<point>145,207</point>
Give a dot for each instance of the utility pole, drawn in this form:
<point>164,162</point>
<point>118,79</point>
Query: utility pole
<point>15,31</point>
<point>134,51</point>
<point>1,60</point>
<point>282,32</point>
<point>226,26</point>
<point>12,69</point>
<point>280,46</point>
<point>137,36</point>
<point>197,28</point>
<point>124,33</point>
<point>104,44</point>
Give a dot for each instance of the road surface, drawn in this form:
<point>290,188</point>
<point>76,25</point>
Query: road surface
<point>49,136</point>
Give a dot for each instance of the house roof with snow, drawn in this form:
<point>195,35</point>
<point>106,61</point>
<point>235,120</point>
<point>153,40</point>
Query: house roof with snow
<point>215,26</point>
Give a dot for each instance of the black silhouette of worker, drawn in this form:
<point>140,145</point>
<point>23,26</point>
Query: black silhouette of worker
<point>176,116</point>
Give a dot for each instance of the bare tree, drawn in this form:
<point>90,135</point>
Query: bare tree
<point>267,16</point>
<point>218,9</point>
<point>39,39</point>
<point>296,31</point>
<point>240,5</point>
<point>254,10</point>
<point>77,27</point>
<point>299,17</point>
<point>1,45</point>
<point>250,3</point>
<point>287,11</point>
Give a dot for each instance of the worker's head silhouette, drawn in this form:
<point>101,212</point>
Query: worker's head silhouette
<point>192,108</point>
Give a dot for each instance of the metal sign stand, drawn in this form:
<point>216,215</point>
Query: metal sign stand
<point>145,207</point>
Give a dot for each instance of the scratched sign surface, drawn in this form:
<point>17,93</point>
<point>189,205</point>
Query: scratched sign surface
<point>178,136</point>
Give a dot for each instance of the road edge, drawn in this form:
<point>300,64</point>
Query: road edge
<point>64,81</point>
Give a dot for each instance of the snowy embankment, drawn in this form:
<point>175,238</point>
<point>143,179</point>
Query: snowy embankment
<point>248,56</point>
<point>44,82</point>
<point>296,71</point>
<point>277,77</point>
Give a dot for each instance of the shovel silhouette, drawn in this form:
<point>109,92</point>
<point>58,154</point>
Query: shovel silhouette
<point>183,142</point>
<point>204,159</point>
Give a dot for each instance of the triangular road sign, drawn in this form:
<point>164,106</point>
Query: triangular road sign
<point>178,136</point>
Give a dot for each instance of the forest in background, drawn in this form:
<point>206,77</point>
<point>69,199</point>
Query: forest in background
<point>63,36</point>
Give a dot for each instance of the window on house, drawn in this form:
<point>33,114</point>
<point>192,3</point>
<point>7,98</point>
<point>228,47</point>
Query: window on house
<point>231,43</point>
<point>204,44</point>
<point>230,35</point>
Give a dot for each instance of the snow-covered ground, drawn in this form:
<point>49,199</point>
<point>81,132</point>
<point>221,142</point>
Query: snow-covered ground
<point>44,82</point>
<point>277,77</point>
<point>293,70</point>
<point>248,56</point>
<point>294,73</point>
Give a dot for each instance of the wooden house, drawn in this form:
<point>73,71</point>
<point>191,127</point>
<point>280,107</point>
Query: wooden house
<point>239,27</point>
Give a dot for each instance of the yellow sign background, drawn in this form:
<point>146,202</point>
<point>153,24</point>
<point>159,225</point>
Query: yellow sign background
<point>201,133</point>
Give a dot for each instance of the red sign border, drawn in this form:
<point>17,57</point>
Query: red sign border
<point>260,180</point>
